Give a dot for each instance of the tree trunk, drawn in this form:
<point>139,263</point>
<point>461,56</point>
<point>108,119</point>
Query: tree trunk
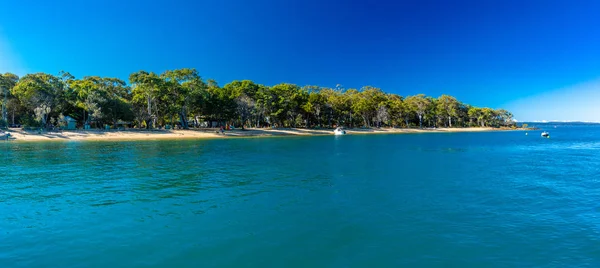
<point>420,121</point>
<point>45,120</point>
<point>115,114</point>
<point>350,124</point>
<point>184,122</point>
<point>449,121</point>
<point>149,107</point>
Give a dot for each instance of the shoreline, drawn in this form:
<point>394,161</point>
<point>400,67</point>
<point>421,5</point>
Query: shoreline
<point>19,135</point>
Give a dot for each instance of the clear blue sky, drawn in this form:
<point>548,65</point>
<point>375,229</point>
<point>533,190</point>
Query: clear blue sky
<point>521,55</point>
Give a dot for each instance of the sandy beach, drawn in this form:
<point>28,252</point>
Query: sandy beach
<point>137,134</point>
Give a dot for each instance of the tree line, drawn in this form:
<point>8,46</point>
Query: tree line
<point>182,98</point>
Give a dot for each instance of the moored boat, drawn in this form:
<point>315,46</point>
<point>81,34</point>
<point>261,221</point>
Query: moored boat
<point>339,131</point>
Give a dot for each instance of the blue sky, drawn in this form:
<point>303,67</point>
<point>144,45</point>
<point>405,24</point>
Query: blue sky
<point>526,56</point>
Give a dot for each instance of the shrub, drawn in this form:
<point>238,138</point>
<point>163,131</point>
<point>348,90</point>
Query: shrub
<point>29,121</point>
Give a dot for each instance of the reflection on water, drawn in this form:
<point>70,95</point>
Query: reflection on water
<point>364,200</point>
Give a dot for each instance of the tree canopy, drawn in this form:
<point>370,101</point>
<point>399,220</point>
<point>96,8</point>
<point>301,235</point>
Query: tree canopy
<point>184,99</point>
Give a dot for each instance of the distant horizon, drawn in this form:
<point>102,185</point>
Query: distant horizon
<point>551,121</point>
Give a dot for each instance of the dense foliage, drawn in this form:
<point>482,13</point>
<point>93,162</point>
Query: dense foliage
<point>181,97</point>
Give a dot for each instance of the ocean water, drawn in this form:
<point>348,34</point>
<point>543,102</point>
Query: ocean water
<point>494,199</point>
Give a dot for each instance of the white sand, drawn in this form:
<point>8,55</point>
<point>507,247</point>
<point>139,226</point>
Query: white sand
<point>136,134</point>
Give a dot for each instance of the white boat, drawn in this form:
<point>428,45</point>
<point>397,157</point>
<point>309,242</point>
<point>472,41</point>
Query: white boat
<point>339,131</point>
<point>545,134</point>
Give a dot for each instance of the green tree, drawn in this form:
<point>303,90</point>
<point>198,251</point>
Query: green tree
<point>330,96</point>
<point>505,117</point>
<point>247,87</point>
<point>245,106</point>
<point>100,99</point>
<point>245,94</point>
<point>419,105</point>
<point>447,106</point>
<point>350,96</point>
<point>264,105</point>
<point>463,114</point>
<point>7,82</point>
<point>87,96</point>
<point>474,113</point>
<point>41,93</point>
<point>396,109</point>
<point>118,100</point>
<point>179,89</point>
<point>487,116</point>
<point>431,115</point>
<point>154,99</point>
<point>315,103</point>
<point>287,102</point>
<point>368,102</point>
<point>221,104</point>
<point>144,96</point>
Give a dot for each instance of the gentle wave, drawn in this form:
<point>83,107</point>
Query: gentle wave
<point>467,199</point>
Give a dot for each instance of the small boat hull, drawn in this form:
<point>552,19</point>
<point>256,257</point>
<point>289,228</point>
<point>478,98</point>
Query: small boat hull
<point>339,131</point>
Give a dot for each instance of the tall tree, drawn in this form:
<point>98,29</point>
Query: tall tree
<point>314,105</point>
<point>419,105</point>
<point>368,103</point>
<point>505,117</point>
<point>154,99</point>
<point>179,85</point>
<point>447,106</point>
<point>42,93</point>
<point>487,116</point>
<point>145,92</point>
<point>87,96</point>
<point>245,106</point>
<point>350,97</point>
<point>329,96</point>
<point>118,96</point>
<point>397,109</point>
<point>7,83</point>
<point>222,106</point>
<point>245,94</point>
<point>286,105</point>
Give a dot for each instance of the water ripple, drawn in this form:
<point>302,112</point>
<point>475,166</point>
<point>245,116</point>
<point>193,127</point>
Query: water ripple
<point>467,199</point>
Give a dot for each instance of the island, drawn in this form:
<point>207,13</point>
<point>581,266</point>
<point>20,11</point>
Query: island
<point>180,104</point>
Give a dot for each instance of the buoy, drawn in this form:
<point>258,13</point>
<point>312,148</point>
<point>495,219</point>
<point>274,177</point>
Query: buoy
<point>526,134</point>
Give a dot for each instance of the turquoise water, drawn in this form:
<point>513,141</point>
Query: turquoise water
<point>498,199</point>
